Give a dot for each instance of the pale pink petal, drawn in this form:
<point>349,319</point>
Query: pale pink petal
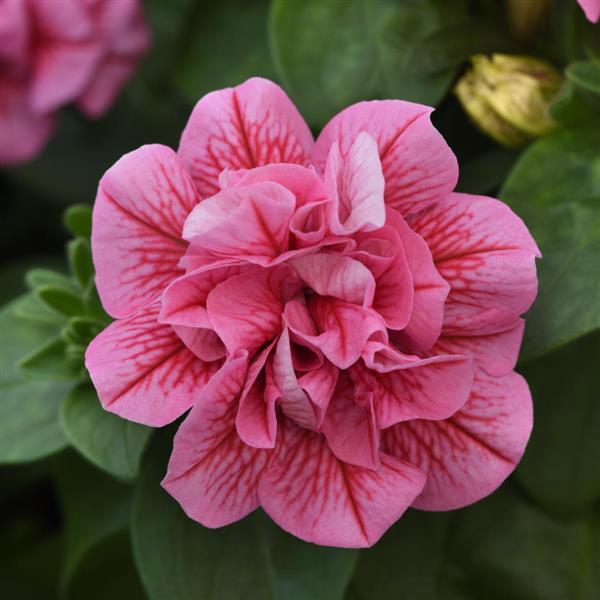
<point>294,401</point>
<point>139,212</point>
<point>336,276</point>
<point>418,166</point>
<point>495,353</point>
<point>467,456</point>
<point>430,289</point>
<point>245,310</point>
<point>407,387</point>
<point>356,187</point>
<point>143,372</point>
<point>319,384</point>
<point>350,429</point>
<point>61,71</point>
<point>204,343</point>
<point>256,421</point>
<point>320,499</point>
<point>382,251</point>
<point>184,300</point>
<point>343,329</point>
<point>250,222</point>
<point>212,473</point>
<point>487,255</point>
<point>248,126</point>
<point>591,8</point>
<point>23,133</point>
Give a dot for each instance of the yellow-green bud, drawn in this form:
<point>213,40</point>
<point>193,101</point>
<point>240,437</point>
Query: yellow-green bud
<point>508,97</point>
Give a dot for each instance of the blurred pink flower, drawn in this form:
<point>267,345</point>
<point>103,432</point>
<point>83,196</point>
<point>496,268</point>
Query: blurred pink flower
<point>591,8</point>
<point>343,326</point>
<point>55,53</point>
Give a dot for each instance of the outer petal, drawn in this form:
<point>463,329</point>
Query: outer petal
<point>591,8</point>
<point>143,372</point>
<point>23,133</point>
<point>430,289</point>
<point>65,20</point>
<point>356,187</point>
<point>212,473</point>
<point>469,455</point>
<point>14,35</point>
<point>248,126</point>
<point>141,205</point>
<point>495,353</point>
<point>245,310</point>
<point>250,222</point>
<point>486,254</point>
<point>418,166</point>
<point>320,499</point>
<point>350,428</point>
<point>407,387</point>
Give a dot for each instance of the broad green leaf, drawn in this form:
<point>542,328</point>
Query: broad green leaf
<point>181,560</point>
<point>49,362</point>
<point>560,468</point>
<point>500,548</point>
<point>61,300</point>
<point>586,75</point>
<point>29,428</point>
<point>213,56</point>
<point>36,278</point>
<point>80,261</point>
<point>110,442</point>
<point>573,107</point>
<point>331,54</point>
<point>78,220</point>
<point>555,188</point>
<point>95,507</point>
<point>31,308</point>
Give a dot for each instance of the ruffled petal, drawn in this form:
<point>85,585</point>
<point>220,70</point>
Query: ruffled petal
<point>143,372</point>
<point>248,126</point>
<point>468,456</point>
<point>140,208</point>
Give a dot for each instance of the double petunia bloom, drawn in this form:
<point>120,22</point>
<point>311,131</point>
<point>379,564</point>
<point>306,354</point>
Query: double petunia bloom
<point>342,325</point>
<point>57,52</point>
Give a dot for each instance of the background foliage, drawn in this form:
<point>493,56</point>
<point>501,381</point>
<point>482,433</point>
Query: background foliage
<point>81,513</point>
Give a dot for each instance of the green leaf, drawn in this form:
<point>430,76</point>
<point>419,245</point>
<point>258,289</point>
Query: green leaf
<point>574,107</point>
<point>31,308</point>
<point>586,75</point>
<point>212,58</point>
<point>94,505</point>
<point>555,188</point>
<point>80,261</point>
<point>29,428</point>
<point>78,220</point>
<point>36,278</point>
<point>500,548</point>
<point>181,560</point>
<point>110,442</point>
<point>560,468</point>
<point>61,300</point>
<point>49,362</point>
<point>331,54</point>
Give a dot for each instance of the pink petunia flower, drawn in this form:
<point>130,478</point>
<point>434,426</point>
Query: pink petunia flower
<point>55,53</point>
<point>591,8</point>
<point>342,325</point>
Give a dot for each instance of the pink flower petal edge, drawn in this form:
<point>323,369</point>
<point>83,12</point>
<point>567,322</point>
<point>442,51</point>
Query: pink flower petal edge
<point>341,325</point>
<point>591,8</point>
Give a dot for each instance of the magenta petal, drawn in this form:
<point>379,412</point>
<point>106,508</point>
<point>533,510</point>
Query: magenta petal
<point>141,205</point>
<point>320,499</point>
<point>67,19</point>
<point>487,255</point>
<point>15,33</point>
<point>591,8</point>
<point>350,429</point>
<point>467,456</point>
<point>418,166</point>
<point>143,372</point>
<point>248,126</point>
<point>408,387</point>
<point>495,353</point>
<point>356,187</point>
<point>250,222</point>
<point>212,473</point>
<point>204,343</point>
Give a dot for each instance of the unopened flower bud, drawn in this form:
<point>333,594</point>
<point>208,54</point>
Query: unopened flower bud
<point>508,97</point>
